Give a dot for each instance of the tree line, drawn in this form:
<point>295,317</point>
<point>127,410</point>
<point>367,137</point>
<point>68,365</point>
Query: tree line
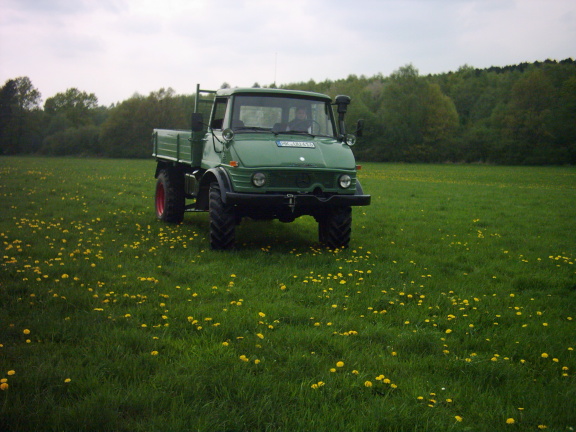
<point>520,114</point>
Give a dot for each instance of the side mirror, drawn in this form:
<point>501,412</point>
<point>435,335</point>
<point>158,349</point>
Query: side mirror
<point>197,122</point>
<point>359,128</point>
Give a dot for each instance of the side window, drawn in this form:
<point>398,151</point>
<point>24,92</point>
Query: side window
<point>218,113</point>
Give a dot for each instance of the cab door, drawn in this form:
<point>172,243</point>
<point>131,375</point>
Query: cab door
<point>214,142</point>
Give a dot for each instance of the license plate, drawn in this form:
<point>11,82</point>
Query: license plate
<point>297,144</point>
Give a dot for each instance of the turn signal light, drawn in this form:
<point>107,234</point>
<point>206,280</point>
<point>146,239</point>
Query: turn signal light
<point>233,163</point>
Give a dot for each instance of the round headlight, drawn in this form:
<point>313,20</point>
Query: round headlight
<point>350,139</point>
<point>344,181</point>
<point>228,134</point>
<point>259,179</point>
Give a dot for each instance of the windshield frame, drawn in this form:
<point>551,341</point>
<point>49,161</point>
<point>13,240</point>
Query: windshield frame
<point>319,109</point>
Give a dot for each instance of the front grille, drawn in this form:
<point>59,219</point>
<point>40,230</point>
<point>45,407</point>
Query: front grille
<point>301,180</point>
<point>290,181</point>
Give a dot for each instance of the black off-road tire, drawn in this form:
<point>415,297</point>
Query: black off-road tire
<point>222,221</point>
<point>169,198</point>
<point>335,227</point>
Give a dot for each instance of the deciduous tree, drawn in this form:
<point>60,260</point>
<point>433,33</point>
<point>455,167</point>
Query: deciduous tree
<point>76,105</point>
<point>18,101</point>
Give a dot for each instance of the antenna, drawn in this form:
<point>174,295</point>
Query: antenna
<point>275,66</point>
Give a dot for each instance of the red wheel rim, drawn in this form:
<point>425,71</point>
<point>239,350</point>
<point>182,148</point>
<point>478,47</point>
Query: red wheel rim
<point>159,199</point>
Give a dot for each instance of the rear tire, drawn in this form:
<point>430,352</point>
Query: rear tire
<point>222,221</point>
<point>169,198</point>
<point>335,227</point>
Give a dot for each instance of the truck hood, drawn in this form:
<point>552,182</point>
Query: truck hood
<point>268,150</point>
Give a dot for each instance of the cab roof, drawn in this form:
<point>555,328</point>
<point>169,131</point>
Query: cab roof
<point>272,91</point>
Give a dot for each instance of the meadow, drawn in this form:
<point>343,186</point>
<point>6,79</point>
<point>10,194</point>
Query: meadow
<point>454,309</point>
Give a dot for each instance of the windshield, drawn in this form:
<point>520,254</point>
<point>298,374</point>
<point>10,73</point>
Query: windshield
<point>281,114</point>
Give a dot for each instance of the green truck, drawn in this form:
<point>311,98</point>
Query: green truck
<point>263,154</point>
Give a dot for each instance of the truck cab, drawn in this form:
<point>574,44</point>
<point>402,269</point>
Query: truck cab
<point>262,154</point>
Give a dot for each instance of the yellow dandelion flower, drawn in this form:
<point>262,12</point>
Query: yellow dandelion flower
<point>368,384</point>
<point>260,335</point>
<point>67,380</point>
<point>261,314</point>
<point>11,372</point>
<point>340,364</point>
<point>4,386</point>
<point>448,331</point>
<point>154,353</point>
<point>544,355</point>
<point>458,418</point>
<point>510,421</point>
<point>26,331</point>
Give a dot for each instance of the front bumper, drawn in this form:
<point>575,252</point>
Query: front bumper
<point>296,200</point>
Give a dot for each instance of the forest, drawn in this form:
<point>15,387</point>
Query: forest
<point>521,114</point>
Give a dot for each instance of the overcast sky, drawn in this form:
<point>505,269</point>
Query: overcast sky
<point>115,48</point>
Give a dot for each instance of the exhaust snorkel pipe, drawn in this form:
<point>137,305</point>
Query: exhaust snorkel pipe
<point>342,103</point>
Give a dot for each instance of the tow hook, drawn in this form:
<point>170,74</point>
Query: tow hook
<point>291,201</point>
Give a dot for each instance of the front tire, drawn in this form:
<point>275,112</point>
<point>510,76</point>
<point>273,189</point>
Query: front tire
<point>222,221</point>
<point>335,227</point>
<point>169,198</point>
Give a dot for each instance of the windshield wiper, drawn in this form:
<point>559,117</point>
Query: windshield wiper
<point>251,128</point>
<point>293,132</point>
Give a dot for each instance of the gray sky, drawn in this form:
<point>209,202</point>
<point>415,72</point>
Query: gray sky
<point>115,48</point>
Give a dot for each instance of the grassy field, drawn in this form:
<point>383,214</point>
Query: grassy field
<point>454,309</point>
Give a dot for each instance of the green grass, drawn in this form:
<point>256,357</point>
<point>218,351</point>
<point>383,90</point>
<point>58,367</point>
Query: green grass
<point>457,281</point>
